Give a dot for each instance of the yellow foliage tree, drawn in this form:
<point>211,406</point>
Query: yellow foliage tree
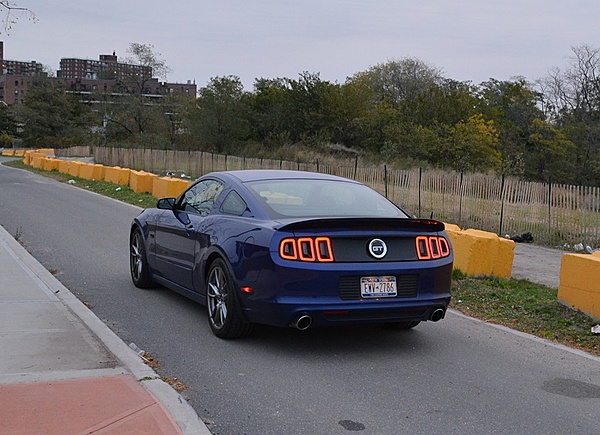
<point>474,145</point>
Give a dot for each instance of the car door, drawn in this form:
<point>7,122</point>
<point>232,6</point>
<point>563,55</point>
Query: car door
<point>177,232</point>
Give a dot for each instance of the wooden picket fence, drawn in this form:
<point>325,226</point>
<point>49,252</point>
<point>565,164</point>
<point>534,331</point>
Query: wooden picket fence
<point>79,151</point>
<point>553,214</point>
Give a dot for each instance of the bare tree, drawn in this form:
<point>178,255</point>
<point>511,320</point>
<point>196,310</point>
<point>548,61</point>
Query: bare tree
<point>144,55</point>
<point>12,12</point>
<point>576,89</point>
<point>573,95</point>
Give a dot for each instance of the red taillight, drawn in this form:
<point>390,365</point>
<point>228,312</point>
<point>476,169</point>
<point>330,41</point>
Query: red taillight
<point>310,249</point>
<point>287,249</point>
<point>423,248</point>
<point>444,247</point>
<point>306,249</point>
<point>432,247</point>
<point>324,250</point>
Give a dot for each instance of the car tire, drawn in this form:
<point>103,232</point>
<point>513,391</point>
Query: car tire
<point>401,325</point>
<point>224,312</point>
<point>138,263</point>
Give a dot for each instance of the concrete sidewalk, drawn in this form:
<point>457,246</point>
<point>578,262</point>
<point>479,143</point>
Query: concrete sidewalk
<point>63,371</point>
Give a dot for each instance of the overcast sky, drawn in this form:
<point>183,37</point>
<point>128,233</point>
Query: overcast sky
<point>470,40</point>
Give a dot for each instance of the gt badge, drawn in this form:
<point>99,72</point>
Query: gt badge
<point>377,248</point>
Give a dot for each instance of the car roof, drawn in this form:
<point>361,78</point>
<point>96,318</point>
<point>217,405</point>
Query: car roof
<point>249,175</point>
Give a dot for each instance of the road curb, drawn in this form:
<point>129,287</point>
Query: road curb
<point>185,416</point>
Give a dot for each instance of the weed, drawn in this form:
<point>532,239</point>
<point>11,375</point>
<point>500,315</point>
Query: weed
<point>19,234</point>
<point>526,307</point>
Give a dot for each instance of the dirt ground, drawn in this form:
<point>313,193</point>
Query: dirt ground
<point>537,264</point>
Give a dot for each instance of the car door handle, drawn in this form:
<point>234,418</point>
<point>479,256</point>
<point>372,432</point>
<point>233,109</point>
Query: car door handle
<point>189,229</point>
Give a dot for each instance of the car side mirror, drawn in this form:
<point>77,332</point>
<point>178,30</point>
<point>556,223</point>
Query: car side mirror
<point>166,203</point>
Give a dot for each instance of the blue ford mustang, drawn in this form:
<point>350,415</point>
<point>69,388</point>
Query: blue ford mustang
<point>291,248</point>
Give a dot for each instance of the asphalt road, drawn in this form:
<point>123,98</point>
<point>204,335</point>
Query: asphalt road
<point>455,376</point>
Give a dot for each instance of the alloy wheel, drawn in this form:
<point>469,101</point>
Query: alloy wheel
<point>217,297</point>
<point>137,259</point>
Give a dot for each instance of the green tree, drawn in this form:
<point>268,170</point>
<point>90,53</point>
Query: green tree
<point>305,117</point>
<point>345,111</point>
<point>444,103</point>
<point>422,128</point>
<point>414,144</point>
<point>379,126</point>
<point>413,109</point>
<point>177,109</point>
<point>221,115</point>
<point>127,117</point>
<point>314,112</point>
<point>52,118</point>
<point>399,80</point>
<point>549,152</point>
<point>270,105</point>
<point>514,106</point>
<point>8,125</point>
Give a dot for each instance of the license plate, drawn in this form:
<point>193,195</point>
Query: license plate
<point>378,286</point>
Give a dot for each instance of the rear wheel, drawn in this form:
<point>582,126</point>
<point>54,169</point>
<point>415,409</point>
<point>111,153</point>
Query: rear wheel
<point>224,311</point>
<point>401,325</point>
<point>138,264</point>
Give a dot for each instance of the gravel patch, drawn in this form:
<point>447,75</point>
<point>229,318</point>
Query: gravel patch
<point>537,264</point>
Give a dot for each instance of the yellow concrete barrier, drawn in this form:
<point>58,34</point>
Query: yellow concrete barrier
<point>8,152</point>
<point>141,181</point>
<point>36,160</point>
<point>19,153</point>
<point>98,171</point>
<point>580,282</point>
<point>479,252</point>
<point>27,157</point>
<point>63,166</point>
<point>47,152</point>
<point>74,168</point>
<point>166,187</point>
<point>505,257</point>
<point>86,171</point>
<point>117,175</point>
<point>91,171</point>
<point>49,164</point>
<point>452,227</point>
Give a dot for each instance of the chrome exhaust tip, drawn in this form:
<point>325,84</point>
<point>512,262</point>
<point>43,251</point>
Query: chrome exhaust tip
<point>303,322</point>
<point>437,314</point>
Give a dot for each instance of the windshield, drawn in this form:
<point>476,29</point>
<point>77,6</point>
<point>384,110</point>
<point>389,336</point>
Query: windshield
<point>321,198</point>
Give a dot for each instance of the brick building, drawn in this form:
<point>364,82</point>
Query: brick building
<point>107,67</point>
<point>85,77</point>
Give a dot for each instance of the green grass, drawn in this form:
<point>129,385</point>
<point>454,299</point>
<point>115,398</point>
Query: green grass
<point>526,307</point>
<point>518,304</point>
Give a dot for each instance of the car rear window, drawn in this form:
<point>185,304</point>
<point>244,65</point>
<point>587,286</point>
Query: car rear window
<point>321,198</point>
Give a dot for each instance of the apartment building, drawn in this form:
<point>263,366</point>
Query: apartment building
<point>107,67</point>
<point>85,77</point>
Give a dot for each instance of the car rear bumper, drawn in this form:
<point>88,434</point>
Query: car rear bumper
<point>320,314</point>
<point>328,296</point>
